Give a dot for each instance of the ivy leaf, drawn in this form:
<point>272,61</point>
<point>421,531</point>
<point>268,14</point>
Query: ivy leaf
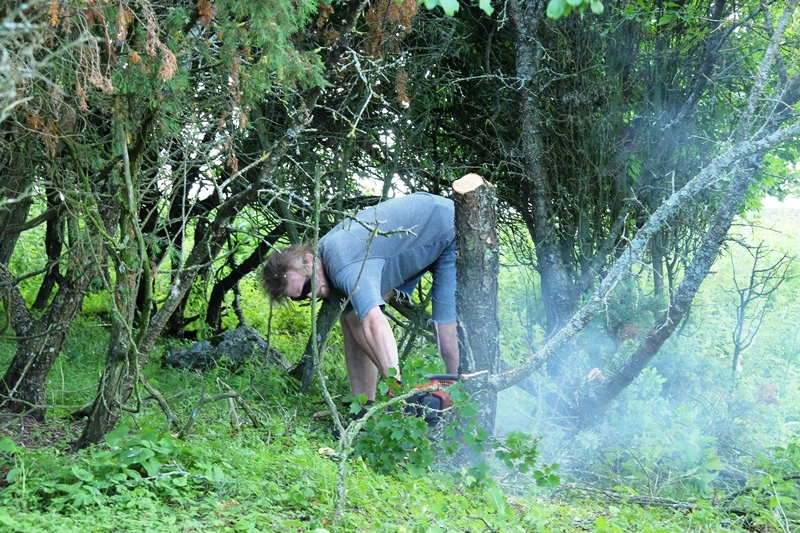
<point>486,5</point>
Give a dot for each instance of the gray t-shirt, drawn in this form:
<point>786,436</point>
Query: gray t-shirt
<point>387,245</point>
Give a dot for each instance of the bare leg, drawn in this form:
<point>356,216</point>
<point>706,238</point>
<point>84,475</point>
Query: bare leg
<point>447,343</point>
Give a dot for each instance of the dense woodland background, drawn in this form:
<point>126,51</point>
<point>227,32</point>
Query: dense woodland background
<point>153,153</point>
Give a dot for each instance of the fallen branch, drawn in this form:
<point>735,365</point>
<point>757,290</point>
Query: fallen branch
<point>162,402</point>
<point>204,400</point>
<point>615,497</point>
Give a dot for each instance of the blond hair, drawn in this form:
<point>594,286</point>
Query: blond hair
<point>273,274</point>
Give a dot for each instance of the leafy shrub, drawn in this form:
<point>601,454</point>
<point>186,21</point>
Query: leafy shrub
<point>652,445</point>
<point>121,472</point>
<point>394,443</point>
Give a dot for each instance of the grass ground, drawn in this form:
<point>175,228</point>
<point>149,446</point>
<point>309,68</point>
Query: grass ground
<point>226,476</point>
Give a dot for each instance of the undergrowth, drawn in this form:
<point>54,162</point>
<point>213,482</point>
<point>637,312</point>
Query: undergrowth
<point>230,475</point>
<point>273,467</point>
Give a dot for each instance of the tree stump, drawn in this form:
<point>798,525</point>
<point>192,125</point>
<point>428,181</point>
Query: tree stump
<point>478,267</point>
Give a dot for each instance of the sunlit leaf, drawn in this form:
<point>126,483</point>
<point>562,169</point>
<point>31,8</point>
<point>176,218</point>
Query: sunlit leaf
<point>449,6</point>
<point>555,9</point>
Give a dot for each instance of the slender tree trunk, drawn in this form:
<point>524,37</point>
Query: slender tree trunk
<point>305,370</point>
<point>131,266</point>
<point>123,363</point>
<point>478,265</point>
<point>53,245</point>
<point>558,292</point>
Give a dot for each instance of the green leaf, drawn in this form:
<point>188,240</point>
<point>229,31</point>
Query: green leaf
<point>152,466</point>
<point>430,4</point>
<point>449,6</point>
<point>575,3</point>
<point>555,9</point>
<point>114,437</point>
<point>14,474</point>
<point>597,7</point>
<point>7,445</point>
<point>6,519</point>
<point>497,499</point>
<point>82,474</point>
<point>486,6</point>
<point>135,456</point>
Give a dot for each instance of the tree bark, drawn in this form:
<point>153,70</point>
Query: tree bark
<point>123,363</point>
<point>22,387</point>
<point>53,245</point>
<point>306,368</point>
<point>558,292</point>
<point>478,265</point>
<point>15,202</point>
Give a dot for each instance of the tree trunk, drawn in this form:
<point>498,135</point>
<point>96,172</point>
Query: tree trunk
<point>14,206</point>
<point>53,245</point>
<point>22,388</point>
<point>131,266</point>
<point>478,265</point>
<point>123,363</point>
<point>558,292</point>
<point>305,370</point>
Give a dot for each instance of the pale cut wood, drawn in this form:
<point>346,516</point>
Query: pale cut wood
<point>468,183</point>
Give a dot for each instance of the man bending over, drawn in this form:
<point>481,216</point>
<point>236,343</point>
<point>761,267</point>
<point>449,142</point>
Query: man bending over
<point>365,261</point>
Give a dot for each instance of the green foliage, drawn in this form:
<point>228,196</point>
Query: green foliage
<point>561,8</point>
<point>272,478</point>
<point>654,15</point>
<point>450,7</point>
<point>393,443</point>
<point>772,498</point>
<point>665,452</point>
<point>517,452</point>
<point>113,474</point>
